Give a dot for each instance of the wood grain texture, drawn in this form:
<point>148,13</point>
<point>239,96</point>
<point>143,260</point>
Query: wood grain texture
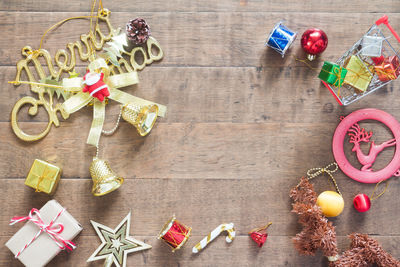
<point>243,125</point>
<point>206,39</point>
<point>285,6</point>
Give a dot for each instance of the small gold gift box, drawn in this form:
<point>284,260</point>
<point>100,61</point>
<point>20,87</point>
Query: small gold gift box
<point>43,177</point>
<point>358,75</point>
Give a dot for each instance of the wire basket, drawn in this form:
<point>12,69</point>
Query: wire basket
<point>346,94</point>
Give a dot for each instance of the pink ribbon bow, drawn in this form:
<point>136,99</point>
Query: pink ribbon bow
<point>52,229</point>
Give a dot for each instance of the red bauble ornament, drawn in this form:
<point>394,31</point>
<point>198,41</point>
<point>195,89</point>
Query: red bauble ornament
<point>314,41</point>
<point>362,203</point>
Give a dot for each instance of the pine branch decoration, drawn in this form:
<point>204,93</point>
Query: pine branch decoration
<point>51,90</point>
<point>115,48</point>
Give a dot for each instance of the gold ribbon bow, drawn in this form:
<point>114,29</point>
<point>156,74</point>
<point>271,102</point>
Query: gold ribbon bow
<point>329,169</point>
<point>113,82</point>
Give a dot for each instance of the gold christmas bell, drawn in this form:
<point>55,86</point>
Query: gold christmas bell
<point>104,179</point>
<point>142,117</point>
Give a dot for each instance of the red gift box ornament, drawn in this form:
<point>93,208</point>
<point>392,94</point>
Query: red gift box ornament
<point>259,235</point>
<point>95,85</point>
<point>388,69</point>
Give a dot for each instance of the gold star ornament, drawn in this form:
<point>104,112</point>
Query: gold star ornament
<point>116,244</point>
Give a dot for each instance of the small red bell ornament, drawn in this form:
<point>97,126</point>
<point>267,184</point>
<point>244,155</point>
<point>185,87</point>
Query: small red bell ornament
<point>259,235</point>
<point>314,41</point>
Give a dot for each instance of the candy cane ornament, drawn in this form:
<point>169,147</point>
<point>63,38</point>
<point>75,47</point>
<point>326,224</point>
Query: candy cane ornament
<point>216,232</point>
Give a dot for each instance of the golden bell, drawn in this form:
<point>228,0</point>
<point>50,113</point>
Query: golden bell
<point>142,117</point>
<point>104,179</point>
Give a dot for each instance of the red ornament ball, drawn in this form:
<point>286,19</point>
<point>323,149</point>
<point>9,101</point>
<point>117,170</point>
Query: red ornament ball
<point>314,41</point>
<point>362,203</point>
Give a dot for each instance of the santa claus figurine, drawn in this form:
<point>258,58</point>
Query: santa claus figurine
<point>95,85</point>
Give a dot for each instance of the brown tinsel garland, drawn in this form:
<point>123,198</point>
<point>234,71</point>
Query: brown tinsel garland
<point>319,233</point>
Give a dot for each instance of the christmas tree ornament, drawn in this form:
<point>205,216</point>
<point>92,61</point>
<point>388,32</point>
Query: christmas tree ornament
<point>358,75</point>
<point>228,227</point>
<point>116,243</point>
<point>362,203</point>
<point>319,234</point>
<point>142,117</point>
<point>43,177</point>
<point>372,46</point>
<point>331,203</point>
<point>104,179</point>
<point>332,74</point>
<point>259,235</point>
<point>388,69</point>
<point>90,42</point>
<point>314,41</point>
<point>138,31</point>
<point>280,38</point>
<point>47,232</point>
<point>357,135</point>
<point>174,233</point>
<point>94,84</point>
<point>106,73</point>
<point>364,63</point>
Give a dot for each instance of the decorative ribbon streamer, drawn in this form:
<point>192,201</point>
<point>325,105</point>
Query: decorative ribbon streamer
<point>52,229</point>
<point>113,82</point>
<point>314,172</point>
<point>216,232</point>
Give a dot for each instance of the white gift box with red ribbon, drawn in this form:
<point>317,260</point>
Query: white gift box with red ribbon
<point>47,232</point>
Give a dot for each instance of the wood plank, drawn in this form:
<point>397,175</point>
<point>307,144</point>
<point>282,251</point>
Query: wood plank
<point>201,150</point>
<point>219,39</point>
<point>209,150</point>
<point>246,203</point>
<point>289,6</point>
<point>277,252</point>
<point>243,125</point>
<point>291,95</point>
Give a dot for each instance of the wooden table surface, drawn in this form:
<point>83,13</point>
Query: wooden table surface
<point>243,125</point>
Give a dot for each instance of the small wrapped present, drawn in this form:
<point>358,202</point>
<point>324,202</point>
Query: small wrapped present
<point>332,74</point>
<point>358,75</point>
<point>47,232</point>
<point>43,177</point>
<point>389,69</point>
<point>371,46</point>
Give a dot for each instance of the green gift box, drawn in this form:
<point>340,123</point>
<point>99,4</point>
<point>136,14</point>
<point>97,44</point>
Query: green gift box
<point>43,177</point>
<point>332,74</point>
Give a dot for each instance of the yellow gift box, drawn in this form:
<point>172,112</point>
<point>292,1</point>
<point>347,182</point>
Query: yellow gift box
<point>43,177</point>
<point>358,74</point>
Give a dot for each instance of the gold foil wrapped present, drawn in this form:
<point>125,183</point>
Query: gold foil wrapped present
<point>43,177</point>
<point>358,75</point>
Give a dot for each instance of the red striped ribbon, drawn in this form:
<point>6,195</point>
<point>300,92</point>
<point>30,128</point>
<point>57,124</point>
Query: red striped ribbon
<point>52,229</point>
